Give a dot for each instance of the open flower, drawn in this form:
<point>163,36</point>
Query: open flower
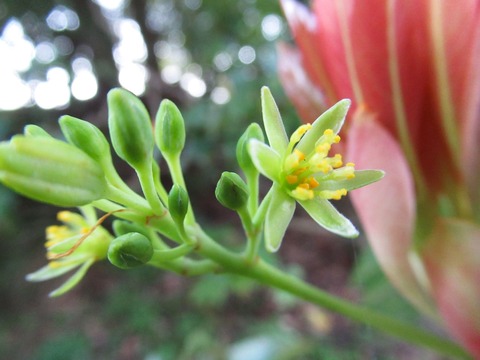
<point>79,243</point>
<point>411,69</point>
<point>302,171</point>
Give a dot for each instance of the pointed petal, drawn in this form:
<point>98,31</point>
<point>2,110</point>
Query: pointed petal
<point>333,119</point>
<point>73,280</point>
<point>328,217</point>
<point>361,179</point>
<point>386,209</point>
<point>48,272</point>
<point>272,120</point>
<point>279,214</point>
<point>452,263</point>
<point>265,159</point>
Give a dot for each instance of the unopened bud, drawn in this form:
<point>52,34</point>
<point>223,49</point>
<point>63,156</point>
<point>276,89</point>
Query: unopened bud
<point>52,171</point>
<point>169,129</point>
<point>231,191</point>
<point>243,156</point>
<point>178,203</point>
<point>130,128</point>
<point>130,250</point>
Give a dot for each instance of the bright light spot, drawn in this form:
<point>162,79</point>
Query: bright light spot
<point>171,74</point>
<point>14,92</point>
<point>45,52</point>
<point>81,63</point>
<point>84,85</point>
<point>271,27</point>
<point>13,31</point>
<point>63,45</point>
<point>131,46</point>
<point>111,5</point>
<point>246,54</point>
<point>222,61</point>
<point>220,95</point>
<point>55,92</point>
<point>17,51</point>
<point>133,77</point>
<point>193,84</point>
<point>62,18</point>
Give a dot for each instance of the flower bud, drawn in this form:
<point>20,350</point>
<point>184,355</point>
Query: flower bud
<point>122,227</point>
<point>130,128</point>
<point>169,129</point>
<point>231,191</point>
<point>35,130</point>
<point>130,250</point>
<point>178,203</point>
<point>52,171</point>
<point>85,136</point>
<point>243,156</point>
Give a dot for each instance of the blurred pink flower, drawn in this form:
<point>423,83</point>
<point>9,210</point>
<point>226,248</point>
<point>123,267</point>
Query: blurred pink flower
<point>412,69</point>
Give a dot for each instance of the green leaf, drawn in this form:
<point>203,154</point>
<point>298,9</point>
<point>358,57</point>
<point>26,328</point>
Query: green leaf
<point>328,217</point>
<point>279,214</point>
<point>265,159</point>
<point>277,137</point>
<point>333,119</point>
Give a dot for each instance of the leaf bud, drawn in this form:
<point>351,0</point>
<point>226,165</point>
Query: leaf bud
<point>52,171</point>
<point>130,250</point>
<point>169,129</point>
<point>231,191</point>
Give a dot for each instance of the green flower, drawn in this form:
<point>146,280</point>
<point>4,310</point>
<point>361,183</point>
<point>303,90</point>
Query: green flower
<point>302,171</point>
<point>79,243</point>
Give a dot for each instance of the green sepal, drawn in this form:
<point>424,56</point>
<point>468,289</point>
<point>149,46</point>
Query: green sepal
<point>130,128</point>
<point>169,129</point>
<point>272,120</point>
<point>35,130</point>
<point>130,250</point>
<point>51,171</point>
<point>243,156</point>
<point>231,191</point>
<point>178,203</point>
<point>328,217</point>
<point>362,178</point>
<point>279,214</point>
<point>85,136</point>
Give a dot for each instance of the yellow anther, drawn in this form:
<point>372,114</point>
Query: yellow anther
<point>333,194</point>
<point>64,216</point>
<point>328,132</point>
<point>313,182</point>
<point>54,264</point>
<point>292,179</point>
<point>304,186</point>
<point>301,193</point>
<point>300,155</point>
<point>336,139</point>
<point>297,135</point>
<point>322,149</point>
<point>350,164</point>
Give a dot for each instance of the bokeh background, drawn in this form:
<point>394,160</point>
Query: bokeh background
<point>211,58</point>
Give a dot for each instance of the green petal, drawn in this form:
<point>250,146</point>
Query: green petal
<point>265,159</point>
<point>277,137</point>
<point>362,178</point>
<point>333,119</point>
<point>73,280</point>
<point>328,217</point>
<point>279,214</point>
<point>47,272</point>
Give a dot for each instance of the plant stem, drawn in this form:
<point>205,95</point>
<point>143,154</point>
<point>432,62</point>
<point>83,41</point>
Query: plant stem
<point>267,274</point>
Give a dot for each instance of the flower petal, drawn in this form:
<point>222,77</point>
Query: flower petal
<point>387,208</point>
<point>328,217</point>
<point>452,263</point>
<point>265,159</point>
<point>73,280</point>
<point>333,119</point>
<point>48,272</point>
<point>277,137</point>
<point>361,179</point>
<point>279,214</point>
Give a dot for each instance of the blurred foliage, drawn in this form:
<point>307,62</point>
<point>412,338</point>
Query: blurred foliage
<point>145,313</point>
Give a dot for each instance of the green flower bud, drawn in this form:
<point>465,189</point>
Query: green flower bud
<point>243,156</point>
<point>169,129</point>
<point>85,136</point>
<point>178,203</point>
<point>231,191</point>
<point>130,128</point>
<point>130,250</point>
<point>35,130</point>
<point>52,171</point>
<point>122,227</point>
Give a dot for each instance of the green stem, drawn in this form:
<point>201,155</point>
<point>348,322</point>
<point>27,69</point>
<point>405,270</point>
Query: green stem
<point>145,175</point>
<point>271,276</point>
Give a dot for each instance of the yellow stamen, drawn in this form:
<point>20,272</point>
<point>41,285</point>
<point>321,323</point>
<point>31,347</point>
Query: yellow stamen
<point>292,179</point>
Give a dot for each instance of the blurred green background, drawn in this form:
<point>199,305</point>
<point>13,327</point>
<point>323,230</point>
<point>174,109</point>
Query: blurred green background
<point>211,57</point>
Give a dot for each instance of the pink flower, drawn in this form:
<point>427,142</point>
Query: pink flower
<point>412,69</point>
